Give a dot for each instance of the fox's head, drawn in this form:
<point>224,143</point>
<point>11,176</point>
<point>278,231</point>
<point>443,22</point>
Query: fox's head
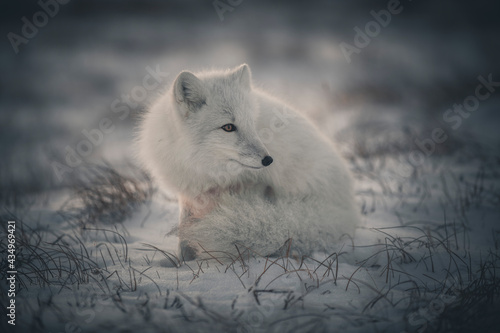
<point>218,115</point>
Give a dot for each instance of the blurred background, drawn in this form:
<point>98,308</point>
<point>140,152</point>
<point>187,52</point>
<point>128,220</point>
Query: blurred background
<point>78,66</point>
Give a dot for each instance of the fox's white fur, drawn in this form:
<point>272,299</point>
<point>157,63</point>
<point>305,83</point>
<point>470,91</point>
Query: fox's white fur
<point>227,197</point>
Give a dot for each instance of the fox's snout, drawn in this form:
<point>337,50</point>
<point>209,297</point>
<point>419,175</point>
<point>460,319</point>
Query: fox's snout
<point>253,153</point>
<point>267,160</point>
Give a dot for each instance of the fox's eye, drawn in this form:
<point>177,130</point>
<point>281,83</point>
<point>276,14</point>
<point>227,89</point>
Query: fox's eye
<point>229,128</point>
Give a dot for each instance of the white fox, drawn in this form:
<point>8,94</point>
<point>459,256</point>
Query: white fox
<point>250,172</point>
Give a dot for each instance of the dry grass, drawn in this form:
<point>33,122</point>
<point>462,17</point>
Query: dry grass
<point>108,198</point>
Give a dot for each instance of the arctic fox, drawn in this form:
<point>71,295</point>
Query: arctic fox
<point>250,172</point>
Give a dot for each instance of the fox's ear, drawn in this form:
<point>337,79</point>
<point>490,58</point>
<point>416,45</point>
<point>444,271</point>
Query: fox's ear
<point>189,90</point>
<point>243,75</point>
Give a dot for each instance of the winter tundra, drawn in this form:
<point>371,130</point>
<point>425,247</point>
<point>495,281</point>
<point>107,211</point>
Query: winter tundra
<point>250,173</point>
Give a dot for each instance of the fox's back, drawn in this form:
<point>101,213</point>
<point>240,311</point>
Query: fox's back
<point>304,159</point>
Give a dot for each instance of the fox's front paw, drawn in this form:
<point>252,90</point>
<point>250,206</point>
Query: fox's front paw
<point>186,251</point>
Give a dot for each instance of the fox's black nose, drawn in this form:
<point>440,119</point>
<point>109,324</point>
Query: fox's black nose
<point>267,160</point>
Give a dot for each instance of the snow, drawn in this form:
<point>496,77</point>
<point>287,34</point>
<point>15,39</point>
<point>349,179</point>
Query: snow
<point>136,285</point>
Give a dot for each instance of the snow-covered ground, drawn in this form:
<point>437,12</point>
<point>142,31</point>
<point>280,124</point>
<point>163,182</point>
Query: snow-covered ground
<point>429,238</point>
<point>95,247</point>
